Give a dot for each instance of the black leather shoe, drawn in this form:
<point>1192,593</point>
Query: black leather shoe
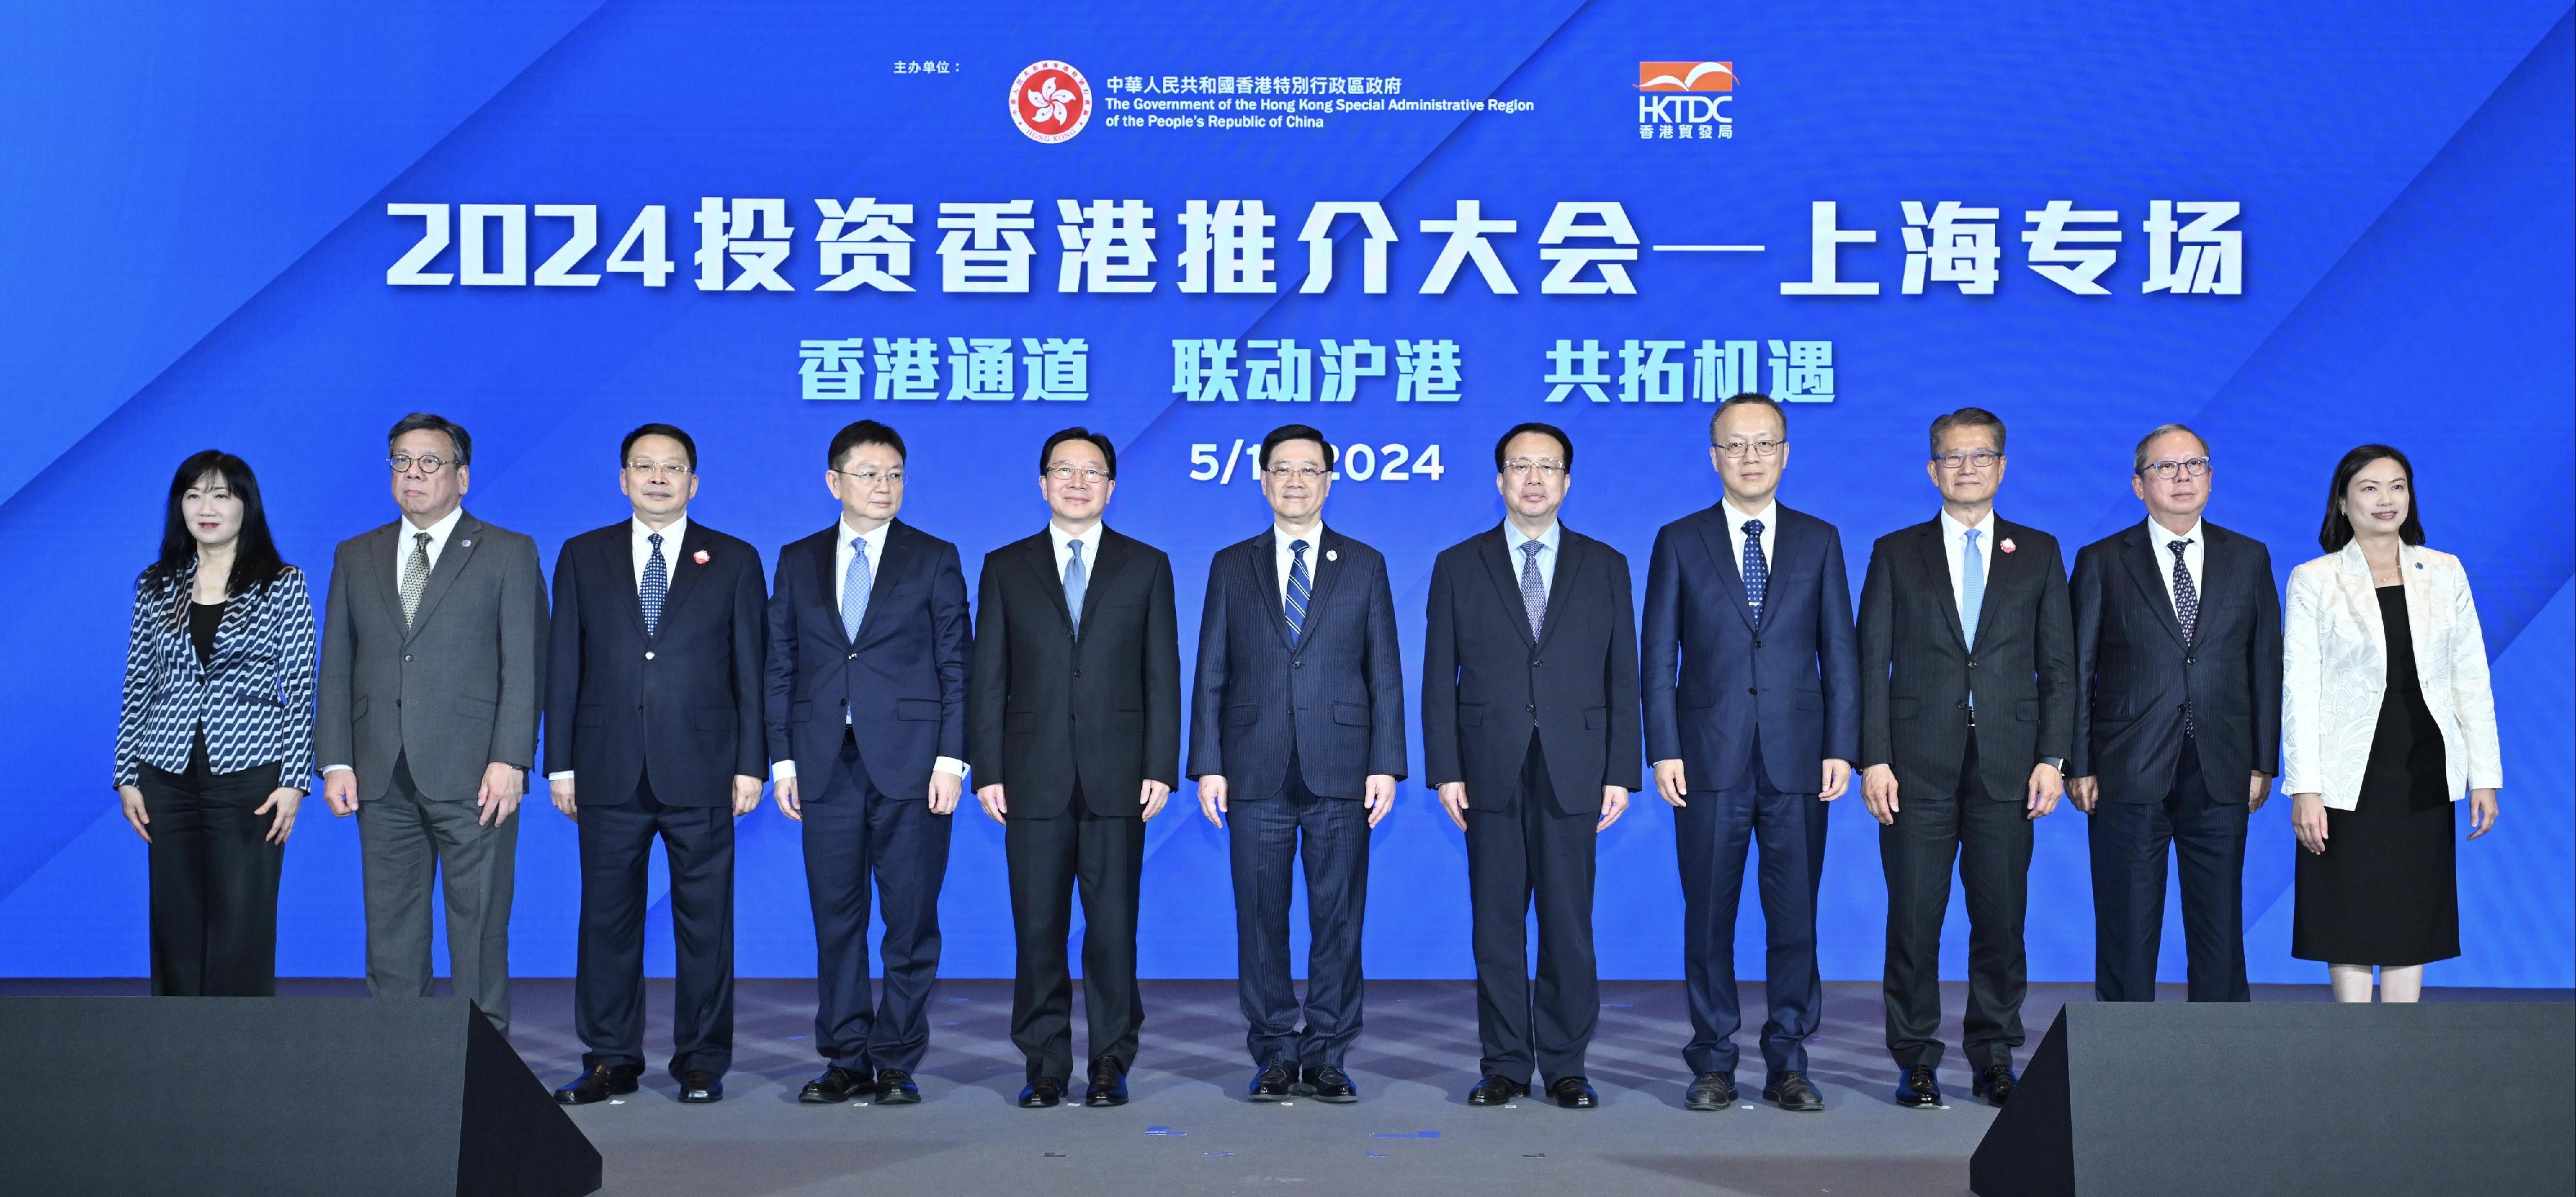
<point>1043,1093</point>
<point>1574,1093</point>
<point>1995,1083</point>
<point>1277,1082</point>
<point>1108,1086</point>
<point>1331,1084</point>
<point>1496,1089</point>
<point>1917,1090</point>
<point>895,1088</point>
<point>1793,1091</point>
<point>836,1085</point>
<point>698,1087</point>
<point>1710,1091</point>
<point>599,1084</point>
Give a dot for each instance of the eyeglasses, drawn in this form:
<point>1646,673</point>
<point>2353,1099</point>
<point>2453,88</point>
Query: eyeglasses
<point>403,463</point>
<point>872,476</point>
<point>1300,472</point>
<point>1066,473</point>
<point>1980,458</point>
<point>2190,467</point>
<point>1543,467</point>
<point>649,468</point>
<point>1736,450</point>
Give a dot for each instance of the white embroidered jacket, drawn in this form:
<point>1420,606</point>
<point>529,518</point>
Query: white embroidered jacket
<point>2335,668</point>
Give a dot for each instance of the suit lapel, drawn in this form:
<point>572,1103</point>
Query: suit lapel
<point>1935,553</point>
<point>1323,568</point>
<point>684,568</point>
<point>613,558</point>
<point>825,583</point>
<point>1113,558</point>
<point>1718,533</point>
<point>1571,553</point>
<point>381,566</point>
<point>2002,566</point>
<point>1040,556</point>
<point>896,558</point>
<point>2141,559</point>
<point>462,540</point>
<point>1498,555</point>
<point>1264,550</point>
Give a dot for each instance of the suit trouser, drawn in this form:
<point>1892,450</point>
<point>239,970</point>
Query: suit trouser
<point>2128,841</point>
<point>1050,858</point>
<point>214,879</point>
<point>1990,840</point>
<point>854,833</point>
<point>1711,832</point>
<point>406,840</point>
<point>1535,852</point>
<point>608,980</point>
<point>1262,840</point>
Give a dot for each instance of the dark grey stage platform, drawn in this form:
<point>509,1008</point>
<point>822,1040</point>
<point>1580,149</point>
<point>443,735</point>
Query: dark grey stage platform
<point>1188,1131</point>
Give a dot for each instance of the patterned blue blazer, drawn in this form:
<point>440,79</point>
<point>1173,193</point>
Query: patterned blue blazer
<point>254,699</point>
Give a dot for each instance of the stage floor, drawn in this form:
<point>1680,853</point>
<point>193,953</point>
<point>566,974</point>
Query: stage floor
<point>1188,1130</point>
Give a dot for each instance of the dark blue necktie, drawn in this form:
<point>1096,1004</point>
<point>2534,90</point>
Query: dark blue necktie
<point>656,587</point>
<point>1757,575</point>
<point>1299,590</point>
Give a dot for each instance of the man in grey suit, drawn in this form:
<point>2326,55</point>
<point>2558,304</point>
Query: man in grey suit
<point>433,638</point>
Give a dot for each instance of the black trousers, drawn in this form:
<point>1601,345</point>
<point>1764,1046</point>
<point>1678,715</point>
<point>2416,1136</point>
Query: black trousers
<point>1103,857</point>
<point>1263,842</point>
<point>1535,853</point>
<point>2128,841</point>
<point>1711,832</point>
<point>608,978</point>
<point>1989,838</point>
<point>214,879</point>
<point>853,835</point>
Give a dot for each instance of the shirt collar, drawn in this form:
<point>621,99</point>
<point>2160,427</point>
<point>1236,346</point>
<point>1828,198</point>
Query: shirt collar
<point>1090,539</point>
<point>2158,536</point>
<point>1281,536</point>
<point>439,531</point>
<point>1769,515</point>
<point>671,536</point>
<point>1954,530</point>
<point>876,540</point>
<point>1555,532</point>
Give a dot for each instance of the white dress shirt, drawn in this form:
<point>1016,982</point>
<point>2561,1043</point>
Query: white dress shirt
<point>873,542</point>
<point>2193,554</point>
<point>1090,539</point>
<point>1512,542</point>
<point>1770,517</point>
<point>643,547</point>
<point>403,545</point>
<point>1279,538</point>
<point>1954,538</point>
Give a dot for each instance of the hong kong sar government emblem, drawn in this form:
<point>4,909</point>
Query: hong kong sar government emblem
<point>1050,101</point>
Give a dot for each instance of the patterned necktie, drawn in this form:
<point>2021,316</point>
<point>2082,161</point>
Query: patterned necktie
<point>1972,599</point>
<point>2186,609</point>
<point>1533,591</point>
<point>1757,574</point>
<point>854,588</point>
<point>656,585</point>
<point>1299,590</point>
<point>1075,583</point>
<point>415,577</point>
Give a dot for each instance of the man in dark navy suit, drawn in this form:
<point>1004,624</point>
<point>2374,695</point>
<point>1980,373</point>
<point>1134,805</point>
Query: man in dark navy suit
<point>653,696</point>
<point>868,652</point>
<point>1529,732</point>
<point>1297,729</point>
<point>1752,689</point>
<point>2178,727</point>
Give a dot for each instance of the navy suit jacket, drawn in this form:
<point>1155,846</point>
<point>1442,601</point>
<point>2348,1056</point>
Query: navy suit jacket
<point>681,705</point>
<point>1715,680</point>
<point>901,682</point>
<point>2137,673</point>
<point>1487,687</point>
<point>1335,699</point>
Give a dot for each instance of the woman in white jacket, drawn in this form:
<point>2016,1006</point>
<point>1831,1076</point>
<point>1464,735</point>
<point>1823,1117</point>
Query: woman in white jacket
<point>2386,720</point>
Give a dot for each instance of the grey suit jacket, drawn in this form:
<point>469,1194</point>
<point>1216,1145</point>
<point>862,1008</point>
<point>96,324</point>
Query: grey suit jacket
<point>455,692</point>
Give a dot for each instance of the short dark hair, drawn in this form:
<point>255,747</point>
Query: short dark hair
<point>1748,399</point>
<point>1100,441</point>
<point>255,560</point>
<point>2337,531</point>
<point>672,431</point>
<point>863,432</point>
<point>1563,442</point>
<point>421,421</point>
<point>2138,460</point>
<point>1294,432</point>
<point>1967,417</point>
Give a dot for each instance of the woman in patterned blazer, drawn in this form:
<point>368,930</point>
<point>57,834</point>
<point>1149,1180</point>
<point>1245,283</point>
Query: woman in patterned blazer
<point>214,748</point>
<point>2387,719</point>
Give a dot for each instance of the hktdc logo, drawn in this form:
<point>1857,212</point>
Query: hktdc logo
<point>1050,101</point>
<point>1685,100</point>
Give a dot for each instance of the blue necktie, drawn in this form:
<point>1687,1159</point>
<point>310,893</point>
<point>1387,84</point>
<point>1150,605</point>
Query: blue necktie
<point>656,587</point>
<point>1533,590</point>
<point>854,589</point>
<point>1075,583</point>
<point>1972,598</point>
<point>1757,574</point>
<point>1298,591</point>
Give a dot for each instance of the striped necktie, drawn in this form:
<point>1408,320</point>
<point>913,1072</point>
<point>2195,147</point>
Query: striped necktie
<point>1299,591</point>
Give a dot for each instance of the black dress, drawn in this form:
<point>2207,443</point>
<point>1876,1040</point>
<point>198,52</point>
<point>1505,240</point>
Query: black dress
<point>2386,890</point>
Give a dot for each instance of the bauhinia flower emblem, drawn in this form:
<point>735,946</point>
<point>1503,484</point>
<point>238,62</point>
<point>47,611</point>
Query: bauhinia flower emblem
<point>1049,98</point>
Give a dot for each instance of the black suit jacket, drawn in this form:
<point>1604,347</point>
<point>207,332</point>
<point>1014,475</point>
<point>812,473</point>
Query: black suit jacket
<point>681,705</point>
<point>2136,673</point>
<point>1335,700</point>
<point>1487,687</point>
<point>902,680</point>
<point>1915,665</point>
<point>1048,711</point>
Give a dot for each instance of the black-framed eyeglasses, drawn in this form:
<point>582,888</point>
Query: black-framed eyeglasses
<point>403,463</point>
<point>2165,471</point>
<point>1956,460</point>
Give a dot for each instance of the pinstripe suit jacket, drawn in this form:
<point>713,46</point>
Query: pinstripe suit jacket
<point>254,698</point>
